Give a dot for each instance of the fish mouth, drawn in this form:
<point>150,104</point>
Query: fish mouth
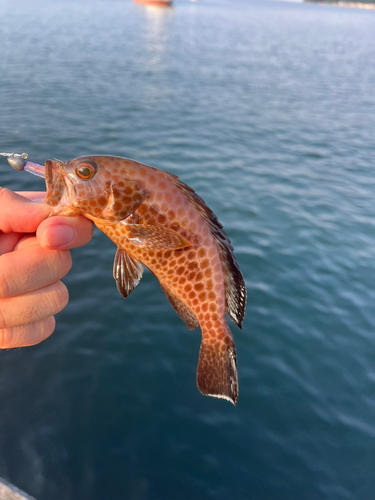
<point>55,182</point>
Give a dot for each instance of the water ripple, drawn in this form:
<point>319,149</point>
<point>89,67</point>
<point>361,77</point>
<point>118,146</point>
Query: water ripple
<point>275,133</point>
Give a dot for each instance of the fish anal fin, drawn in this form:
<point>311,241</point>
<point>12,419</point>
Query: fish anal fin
<point>181,309</point>
<point>127,272</point>
<point>155,237</point>
<point>217,368</point>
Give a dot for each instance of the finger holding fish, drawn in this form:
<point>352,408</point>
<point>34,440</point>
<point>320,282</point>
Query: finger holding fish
<point>19,214</point>
<point>28,318</point>
<point>30,288</point>
<point>27,334</point>
<point>36,196</point>
<point>64,233</point>
<point>33,306</point>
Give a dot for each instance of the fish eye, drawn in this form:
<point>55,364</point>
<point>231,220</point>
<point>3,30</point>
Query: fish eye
<point>86,169</point>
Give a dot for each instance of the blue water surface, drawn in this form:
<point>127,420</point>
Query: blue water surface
<point>266,109</point>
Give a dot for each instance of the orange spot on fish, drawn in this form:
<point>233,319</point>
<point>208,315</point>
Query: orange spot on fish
<point>193,265</point>
<point>201,253</point>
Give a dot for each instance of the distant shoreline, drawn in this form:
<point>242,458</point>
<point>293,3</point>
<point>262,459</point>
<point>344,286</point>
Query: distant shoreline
<point>355,5</point>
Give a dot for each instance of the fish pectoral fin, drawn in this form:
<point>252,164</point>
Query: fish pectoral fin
<point>181,309</point>
<point>123,200</point>
<point>127,272</point>
<point>155,237</point>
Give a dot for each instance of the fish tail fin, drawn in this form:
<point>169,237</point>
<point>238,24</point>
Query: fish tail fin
<point>217,365</point>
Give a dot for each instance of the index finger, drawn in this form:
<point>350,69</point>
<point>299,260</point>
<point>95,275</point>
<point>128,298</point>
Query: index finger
<point>20,215</point>
<point>33,195</point>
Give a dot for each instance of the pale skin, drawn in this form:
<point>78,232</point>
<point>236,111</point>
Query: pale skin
<point>34,257</point>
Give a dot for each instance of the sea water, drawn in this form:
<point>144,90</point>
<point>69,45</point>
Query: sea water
<point>267,110</point>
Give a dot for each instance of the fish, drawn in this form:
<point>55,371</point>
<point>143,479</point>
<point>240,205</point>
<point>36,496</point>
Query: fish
<point>157,221</point>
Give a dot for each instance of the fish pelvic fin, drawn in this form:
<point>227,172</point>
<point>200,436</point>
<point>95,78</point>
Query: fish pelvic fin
<point>127,272</point>
<point>181,309</point>
<point>217,366</point>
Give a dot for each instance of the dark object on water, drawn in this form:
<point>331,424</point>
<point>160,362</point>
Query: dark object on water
<point>157,3</point>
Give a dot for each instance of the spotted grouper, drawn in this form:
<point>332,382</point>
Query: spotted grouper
<point>157,220</point>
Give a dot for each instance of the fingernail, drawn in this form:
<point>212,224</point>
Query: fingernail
<point>58,236</point>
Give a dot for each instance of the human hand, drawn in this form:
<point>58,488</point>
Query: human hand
<point>34,256</point>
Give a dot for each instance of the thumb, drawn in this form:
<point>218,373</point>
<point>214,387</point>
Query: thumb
<point>20,215</point>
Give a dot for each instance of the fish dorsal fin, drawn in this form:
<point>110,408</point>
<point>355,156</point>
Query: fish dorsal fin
<point>181,309</point>
<point>127,272</point>
<point>235,290</point>
<point>154,237</point>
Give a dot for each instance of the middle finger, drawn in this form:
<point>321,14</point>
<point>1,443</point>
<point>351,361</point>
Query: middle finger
<point>33,306</point>
<point>31,267</point>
